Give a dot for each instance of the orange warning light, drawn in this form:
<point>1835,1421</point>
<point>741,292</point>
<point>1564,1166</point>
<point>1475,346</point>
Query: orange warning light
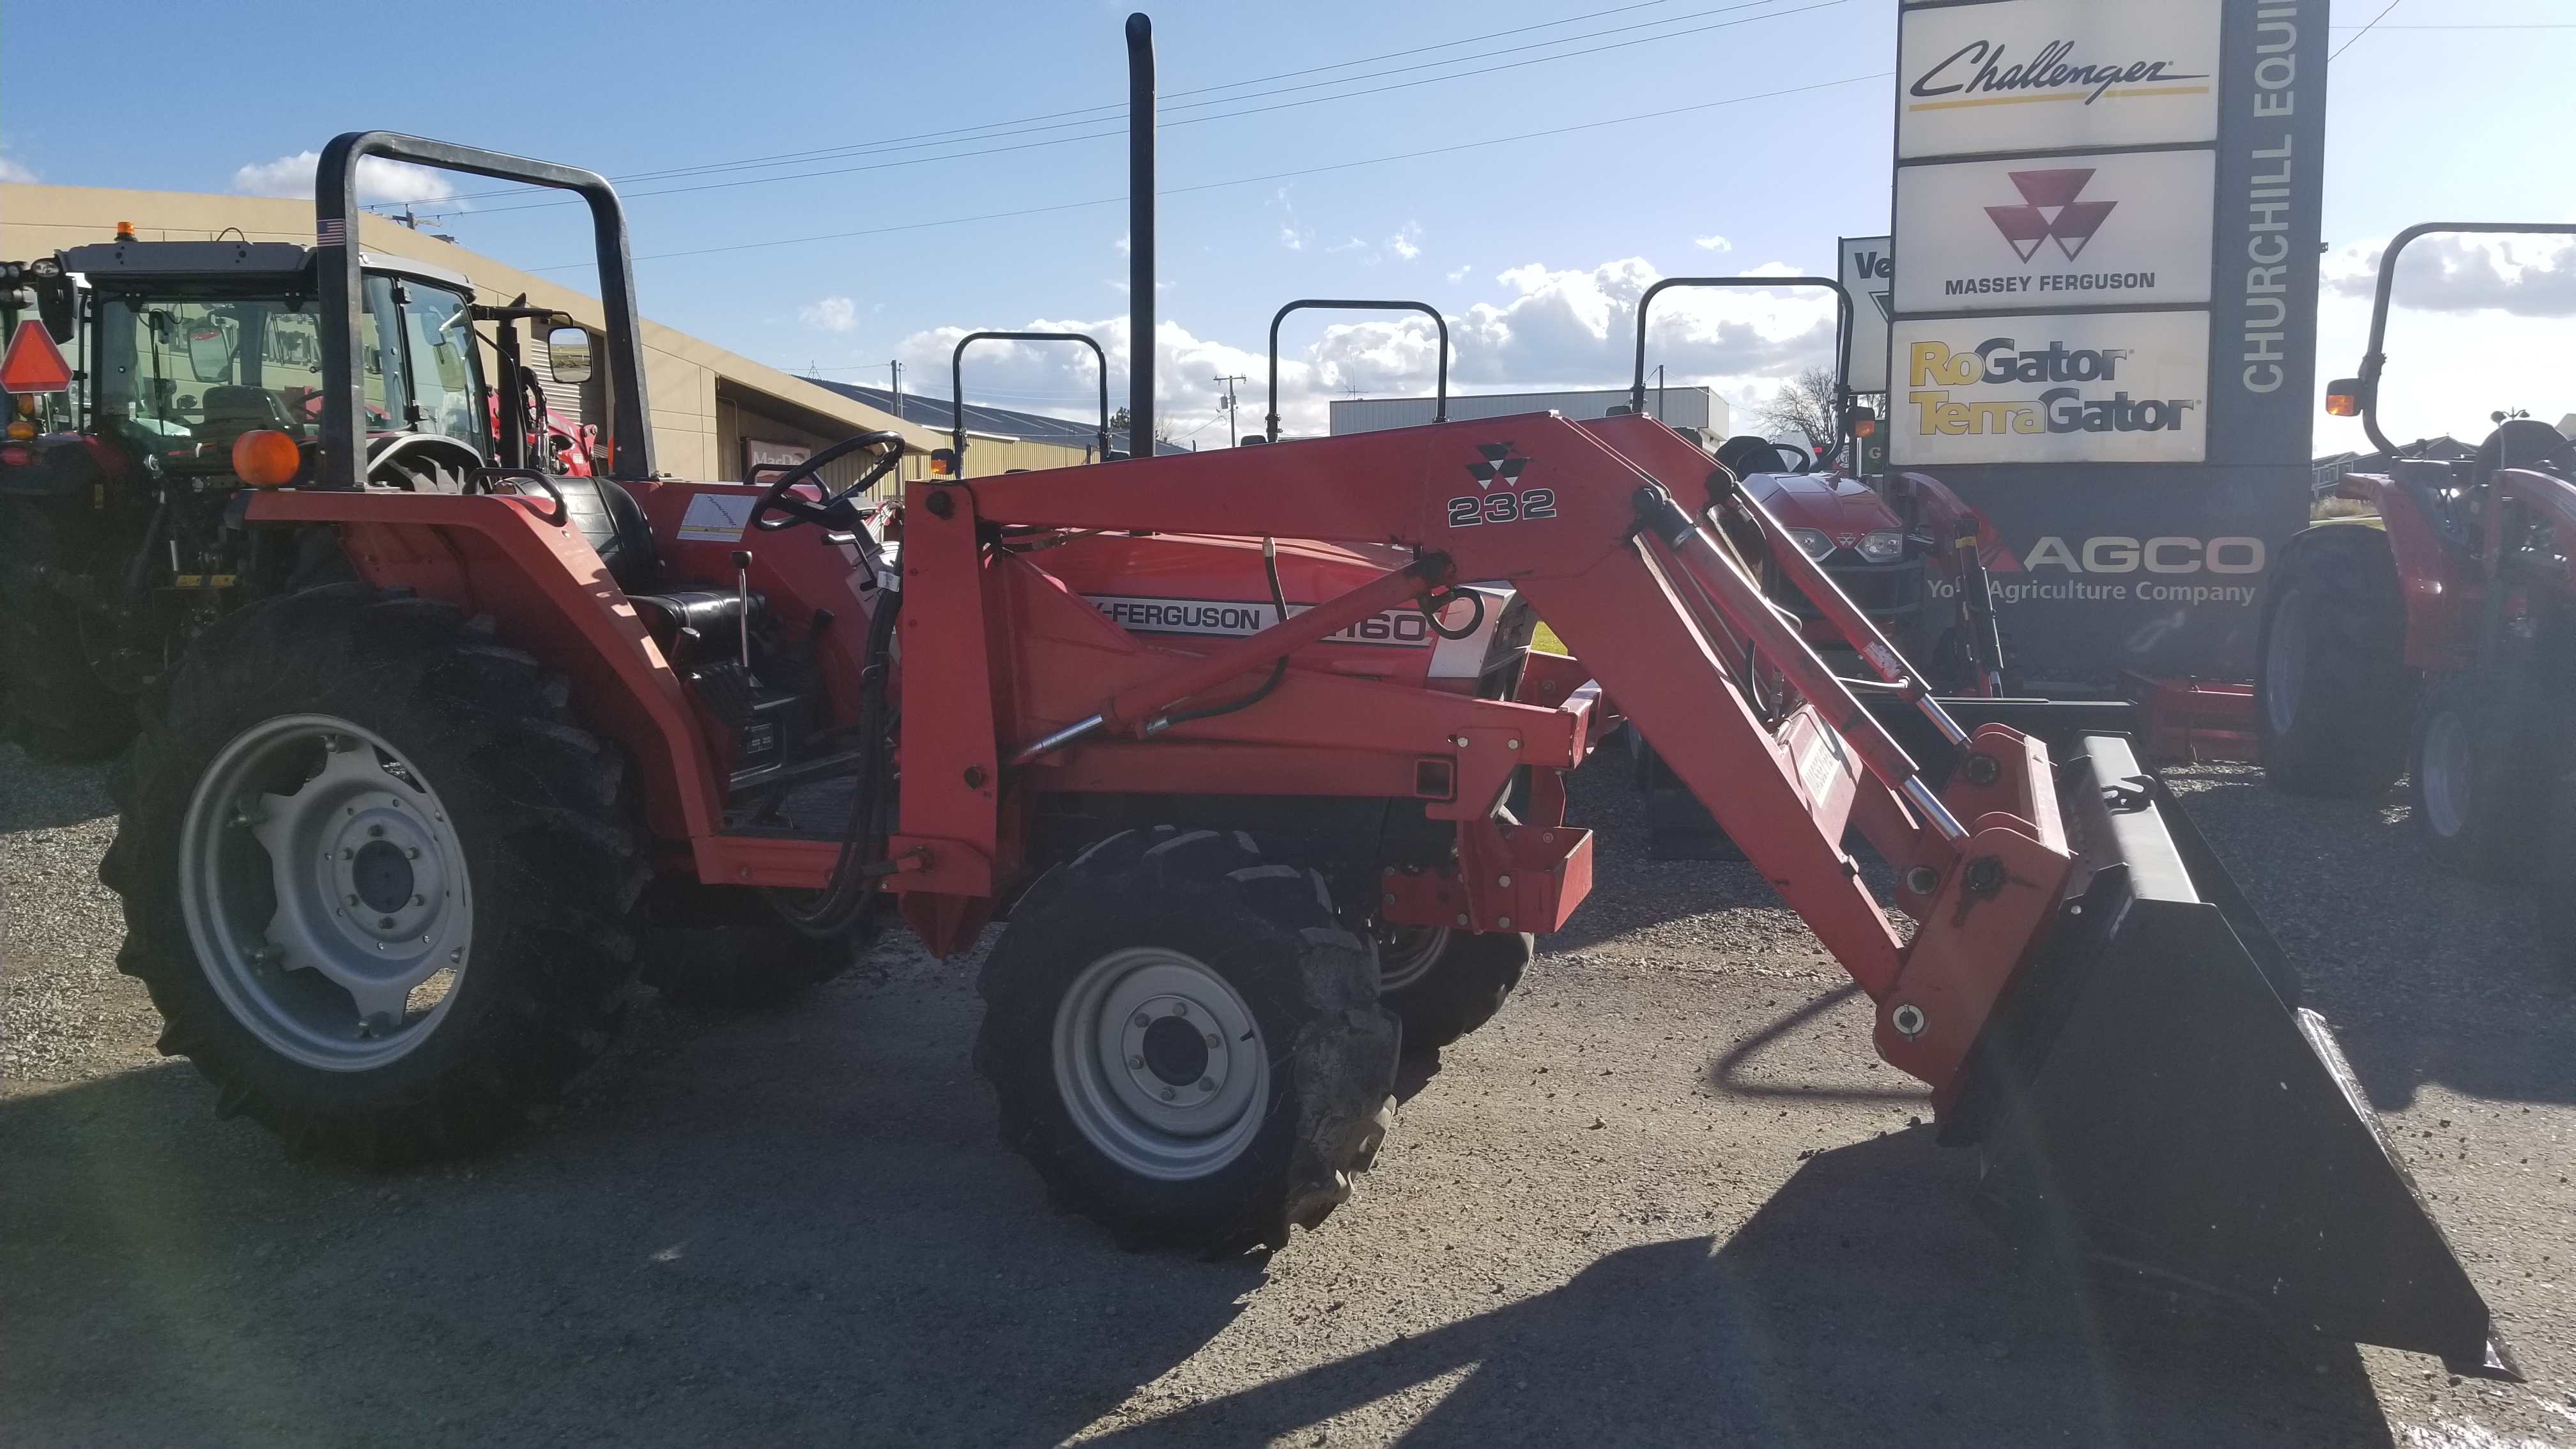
<point>266,458</point>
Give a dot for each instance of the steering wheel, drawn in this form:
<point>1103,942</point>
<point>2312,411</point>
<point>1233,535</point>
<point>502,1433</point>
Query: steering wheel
<point>889,449</point>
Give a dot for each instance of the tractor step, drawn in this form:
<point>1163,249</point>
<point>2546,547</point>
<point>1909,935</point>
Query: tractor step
<point>2157,1109</point>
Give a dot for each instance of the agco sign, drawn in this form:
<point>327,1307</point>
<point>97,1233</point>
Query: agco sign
<point>2096,387</point>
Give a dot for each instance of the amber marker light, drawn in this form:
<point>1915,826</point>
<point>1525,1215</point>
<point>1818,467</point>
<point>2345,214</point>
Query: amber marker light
<point>2343,398</point>
<point>266,458</point>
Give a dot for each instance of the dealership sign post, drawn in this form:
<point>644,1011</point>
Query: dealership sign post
<point>2104,317</point>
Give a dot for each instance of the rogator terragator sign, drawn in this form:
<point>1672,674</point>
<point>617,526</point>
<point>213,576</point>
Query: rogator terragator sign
<point>2104,309</point>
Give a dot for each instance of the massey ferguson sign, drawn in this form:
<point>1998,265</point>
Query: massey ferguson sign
<point>2116,229</point>
<point>2104,308</point>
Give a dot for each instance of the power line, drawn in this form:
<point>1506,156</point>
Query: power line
<point>1114,127</point>
<point>1247,180</point>
<point>2365,30</point>
<point>1097,112</point>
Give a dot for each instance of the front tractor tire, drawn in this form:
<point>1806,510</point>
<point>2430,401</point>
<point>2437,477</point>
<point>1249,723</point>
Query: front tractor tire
<point>379,881</point>
<point>2333,695</point>
<point>2476,806</point>
<point>1186,1042</point>
<point>1444,983</point>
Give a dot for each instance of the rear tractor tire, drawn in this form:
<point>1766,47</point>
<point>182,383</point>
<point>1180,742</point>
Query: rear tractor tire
<point>2332,691</point>
<point>2473,806</point>
<point>1443,983</point>
<point>381,884</point>
<point>54,704</point>
<point>1186,1043</point>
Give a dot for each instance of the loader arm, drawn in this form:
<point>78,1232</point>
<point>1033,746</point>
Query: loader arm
<point>2077,998</point>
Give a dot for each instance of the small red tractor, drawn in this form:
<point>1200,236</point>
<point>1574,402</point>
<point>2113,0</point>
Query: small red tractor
<point>120,503</point>
<point>1226,739</point>
<point>2435,636</point>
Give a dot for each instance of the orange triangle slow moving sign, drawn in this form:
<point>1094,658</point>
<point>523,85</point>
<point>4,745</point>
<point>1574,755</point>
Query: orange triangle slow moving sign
<point>34,363</point>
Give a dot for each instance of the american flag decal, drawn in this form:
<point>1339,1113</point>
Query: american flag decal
<point>331,231</point>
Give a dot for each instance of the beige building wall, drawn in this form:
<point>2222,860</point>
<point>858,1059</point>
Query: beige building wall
<point>704,399</point>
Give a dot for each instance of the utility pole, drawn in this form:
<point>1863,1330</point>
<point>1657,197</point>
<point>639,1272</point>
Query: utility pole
<point>1233,439</point>
<point>896,368</point>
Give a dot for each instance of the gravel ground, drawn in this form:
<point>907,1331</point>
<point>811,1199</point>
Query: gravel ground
<point>1668,1197</point>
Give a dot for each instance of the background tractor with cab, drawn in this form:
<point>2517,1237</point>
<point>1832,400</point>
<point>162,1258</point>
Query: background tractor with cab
<point>120,494</point>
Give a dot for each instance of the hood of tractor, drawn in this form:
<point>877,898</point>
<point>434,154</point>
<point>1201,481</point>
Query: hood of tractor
<point>1841,508</point>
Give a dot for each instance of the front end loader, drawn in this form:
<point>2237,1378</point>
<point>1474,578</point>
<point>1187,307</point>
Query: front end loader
<point>1213,735</point>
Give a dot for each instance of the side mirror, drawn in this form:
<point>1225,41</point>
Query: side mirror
<point>2344,398</point>
<point>210,350</point>
<point>568,354</point>
<point>943,463</point>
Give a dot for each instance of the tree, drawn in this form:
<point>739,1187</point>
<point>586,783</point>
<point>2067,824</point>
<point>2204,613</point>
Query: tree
<point>1806,404</point>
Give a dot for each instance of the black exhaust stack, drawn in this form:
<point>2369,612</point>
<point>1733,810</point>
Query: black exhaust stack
<point>1140,235</point>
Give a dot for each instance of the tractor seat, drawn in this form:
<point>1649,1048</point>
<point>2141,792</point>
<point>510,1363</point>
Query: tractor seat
<point>614,524</point>
<point>232,410</point>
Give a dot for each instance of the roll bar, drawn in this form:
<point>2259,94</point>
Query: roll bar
<point>1440,413</point>
<point>957,383</point>
<point>2374,360</point>
<point>1842,335</point>
<point>335,217</point>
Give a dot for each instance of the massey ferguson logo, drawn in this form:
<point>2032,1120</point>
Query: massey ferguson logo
<point>1502,463</point>
<point>2050,212</point>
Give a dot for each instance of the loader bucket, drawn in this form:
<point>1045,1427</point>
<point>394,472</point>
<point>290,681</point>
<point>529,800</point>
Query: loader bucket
<point>2153,1103</point>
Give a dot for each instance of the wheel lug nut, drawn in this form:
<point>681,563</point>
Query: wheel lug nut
<point>420,900</point>
<point>1214,1041</point>
<point>376,832</point>
<point>411,852</point>
<point>1135,1064</point>
<point>1143,1020</point>
<point>384,923</point>
<point>1180,1008</point>
<point>1207,1084</point>
<point>347,854</point>
<point>349,900</point>
<point>1167,1094</point>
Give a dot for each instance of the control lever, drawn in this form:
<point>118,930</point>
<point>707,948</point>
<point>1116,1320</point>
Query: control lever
<point>742,601</point>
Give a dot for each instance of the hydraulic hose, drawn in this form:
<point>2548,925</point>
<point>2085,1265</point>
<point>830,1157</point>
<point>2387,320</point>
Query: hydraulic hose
<point>835,908</point>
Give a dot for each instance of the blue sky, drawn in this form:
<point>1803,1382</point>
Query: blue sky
<point>1534,244</point>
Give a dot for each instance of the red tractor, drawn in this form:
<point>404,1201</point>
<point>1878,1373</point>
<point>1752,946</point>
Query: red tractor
<point>2435,636</point>
<point>1216,735</point>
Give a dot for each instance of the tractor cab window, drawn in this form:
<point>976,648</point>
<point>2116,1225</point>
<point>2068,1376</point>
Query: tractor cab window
<point>185,376</point>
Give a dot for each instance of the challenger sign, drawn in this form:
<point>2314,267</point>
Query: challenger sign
<point>1986,78</point>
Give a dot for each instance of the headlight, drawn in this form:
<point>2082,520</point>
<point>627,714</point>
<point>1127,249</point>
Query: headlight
<point>1883,545</point>
<point>1811,543</point>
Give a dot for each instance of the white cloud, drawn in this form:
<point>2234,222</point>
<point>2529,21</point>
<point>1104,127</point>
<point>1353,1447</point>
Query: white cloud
<point>1559,328</point>
<point>1407,242</point>
<point>1713,243</point>
<point>2526,276</point>
<point>832,314</point>
<point>380,181</point>
<point>12,170</point>
<point>1460,275</point>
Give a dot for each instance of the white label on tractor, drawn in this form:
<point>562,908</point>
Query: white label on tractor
<point>1230,619</point>
<point>717,517</point>
<point>1822,761</point>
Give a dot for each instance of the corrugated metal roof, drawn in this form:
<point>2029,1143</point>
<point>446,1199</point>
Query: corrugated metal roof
<point>935,412</point>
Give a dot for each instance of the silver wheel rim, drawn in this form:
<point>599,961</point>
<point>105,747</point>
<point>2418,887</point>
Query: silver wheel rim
<point>325,891</point>
<point>1406,954</point>
<point>2446,773</point>
<point>1128,1035</point>
<point>2285,664</point>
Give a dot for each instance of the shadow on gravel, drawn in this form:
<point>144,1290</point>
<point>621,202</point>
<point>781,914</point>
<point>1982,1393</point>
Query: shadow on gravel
<point>1727,1074</point>
<point>1861,1306</point>
<point>749,1229</point>
<point>38,796</point>
<point>2425,977</point>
